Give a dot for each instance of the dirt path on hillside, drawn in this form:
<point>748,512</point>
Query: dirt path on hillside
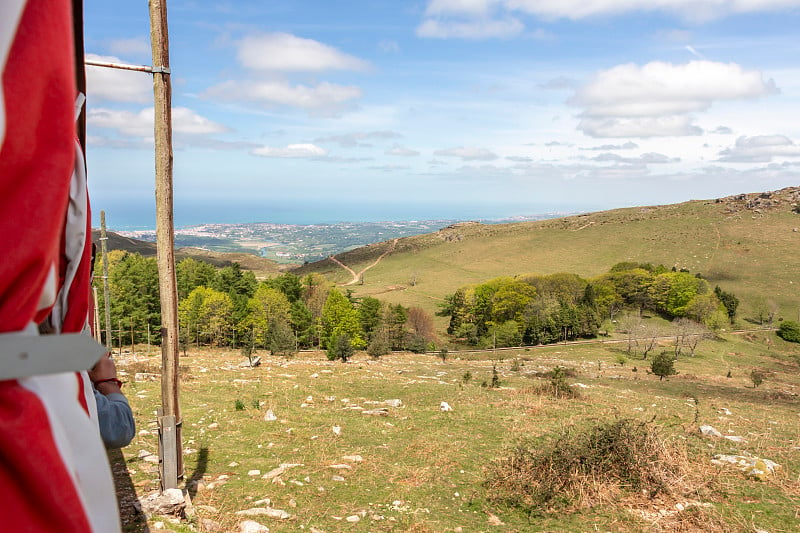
<point>357,276</point>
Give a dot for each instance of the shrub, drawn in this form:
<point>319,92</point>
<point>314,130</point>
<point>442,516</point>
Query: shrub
<point>341,348</point>
<point>757,377</point>
<point>558,386</point>
<point>789,330</point>
<point>239,405</point>
<point>663,365</point>
<point>378,346</point>
<point>587,464</point>
<point>443,354</point>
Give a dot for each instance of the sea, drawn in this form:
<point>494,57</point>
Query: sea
<point>137,216</point>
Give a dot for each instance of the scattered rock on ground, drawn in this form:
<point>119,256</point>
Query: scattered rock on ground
<point>750,465</point>
<point>709,431</point>
<point>170,502</point>
<point>249,526</point>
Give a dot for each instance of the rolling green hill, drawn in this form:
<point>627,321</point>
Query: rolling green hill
<point>746,243</point>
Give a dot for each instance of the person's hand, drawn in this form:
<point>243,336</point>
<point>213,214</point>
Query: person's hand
<point>104,375</point>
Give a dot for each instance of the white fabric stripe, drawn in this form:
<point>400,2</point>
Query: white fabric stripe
<point>74,236</point>
<point>10,13</point>
<point>78,441</point>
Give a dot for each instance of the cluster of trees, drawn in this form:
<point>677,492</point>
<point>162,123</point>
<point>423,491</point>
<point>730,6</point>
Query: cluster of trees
<point>538,309</point>
<point>229,307</point>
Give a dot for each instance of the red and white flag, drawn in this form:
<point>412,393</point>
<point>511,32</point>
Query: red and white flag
<point>54,474</point>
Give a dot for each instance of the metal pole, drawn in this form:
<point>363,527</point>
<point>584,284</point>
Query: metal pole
<point>106,295</point>
<point>162,93</point>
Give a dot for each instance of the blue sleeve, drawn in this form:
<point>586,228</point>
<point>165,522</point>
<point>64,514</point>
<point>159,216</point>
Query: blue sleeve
<point>115,418</point>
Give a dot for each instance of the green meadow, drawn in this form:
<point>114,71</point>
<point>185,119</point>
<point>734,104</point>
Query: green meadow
<point>411,466</point>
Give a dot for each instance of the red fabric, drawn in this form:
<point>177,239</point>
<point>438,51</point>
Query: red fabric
<point>37,490</point>
<point>36,158</point>
<point>36,494</point>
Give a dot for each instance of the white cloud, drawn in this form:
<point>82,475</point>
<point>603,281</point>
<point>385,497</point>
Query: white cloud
<point>289,53</point>
<point>760,149</point>
<point>459,7</point>
<point>389,168</point>
<point>184,121</point>
<point>482,28</point>
<point>353,140</point>
<point>388,46</point>
<point>291,151</point>
<point>323,95</point>
<point>625,146</point>
<point>657,99</point>
<point>467,154</point>
<point>690,9</point>
<point>497,18</point>
<point>401,151</point>
<point>649,158</point>
<point>109,84</point>
<point>136,46</point>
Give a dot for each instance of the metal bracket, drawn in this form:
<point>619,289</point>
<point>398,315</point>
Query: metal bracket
<point>160,70</point>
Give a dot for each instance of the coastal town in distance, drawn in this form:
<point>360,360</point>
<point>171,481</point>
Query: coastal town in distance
<point>296,243</point>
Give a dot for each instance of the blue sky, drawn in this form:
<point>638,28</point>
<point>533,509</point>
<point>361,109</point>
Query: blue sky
<point>319,111</point>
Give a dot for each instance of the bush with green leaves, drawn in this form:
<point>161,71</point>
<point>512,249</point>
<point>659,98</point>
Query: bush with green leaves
<point>341,348</point>
<point>663,365</point>
<point>789,330</point>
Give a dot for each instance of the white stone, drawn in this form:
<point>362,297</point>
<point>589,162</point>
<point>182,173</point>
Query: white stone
<point>353,458</point>
<point>394,403</point>
<point>709,431</point>
<point>445,407</point>
<point>169,502</point>
<point>337,478</point>
<point>735,438</point>
<point>353,518</point>
<point>254,472</point>
<point>336,430</point>
<point>233,464</point>
<point>265,511</point>
<point>269,416</point>
<point>249,526</point>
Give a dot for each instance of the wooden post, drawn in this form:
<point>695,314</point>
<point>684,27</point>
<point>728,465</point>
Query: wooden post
<point>96,318</point>
<point>106,296</point>
<point>162,92</point>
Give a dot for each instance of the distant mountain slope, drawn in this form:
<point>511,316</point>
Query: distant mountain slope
<point>747,243</point>
<point>260,266</point>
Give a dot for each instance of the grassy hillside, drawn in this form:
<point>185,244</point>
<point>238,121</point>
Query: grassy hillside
<point>746,243</point>
<point>418,469</point>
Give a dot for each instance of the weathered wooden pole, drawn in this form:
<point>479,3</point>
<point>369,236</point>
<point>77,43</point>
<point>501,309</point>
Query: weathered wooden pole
<point>162,92</point>
<point>106,296</point>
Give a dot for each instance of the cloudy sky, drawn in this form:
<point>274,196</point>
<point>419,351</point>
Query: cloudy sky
<point>320,111</point>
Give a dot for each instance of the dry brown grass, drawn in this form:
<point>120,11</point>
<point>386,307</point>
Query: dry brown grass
<point>588,466</point>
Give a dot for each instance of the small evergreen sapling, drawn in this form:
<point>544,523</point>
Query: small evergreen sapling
<point>663,365</point>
